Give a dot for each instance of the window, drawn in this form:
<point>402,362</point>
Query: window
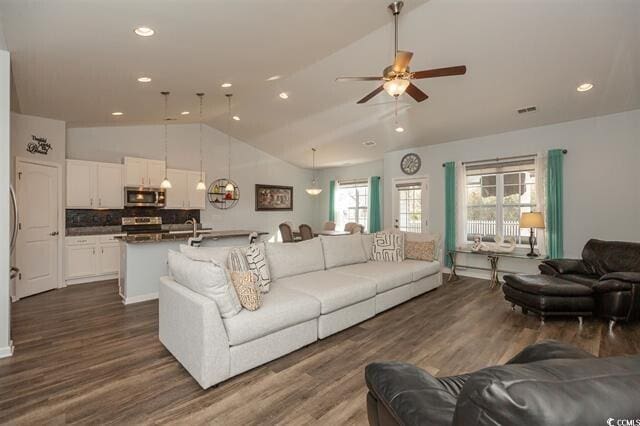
<point>352,203</point>
<point>497,195</point>
<point>410,207</point>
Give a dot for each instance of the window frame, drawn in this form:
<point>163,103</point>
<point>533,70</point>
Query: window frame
<point>358,185</point>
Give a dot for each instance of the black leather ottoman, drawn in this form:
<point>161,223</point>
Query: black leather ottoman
<point>547,295</point>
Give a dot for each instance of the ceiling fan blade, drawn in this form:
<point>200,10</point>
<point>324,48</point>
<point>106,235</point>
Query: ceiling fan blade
<point>415,93</point>
<point>342,79</point>
<point>401,63</point>
<point>370,95</point>
<point>440,72</point>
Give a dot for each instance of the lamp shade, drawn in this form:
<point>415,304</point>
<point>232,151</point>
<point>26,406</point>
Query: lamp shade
<point>532,220</point>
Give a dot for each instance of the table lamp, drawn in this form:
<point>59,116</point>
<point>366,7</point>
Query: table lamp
<point>532,221</point>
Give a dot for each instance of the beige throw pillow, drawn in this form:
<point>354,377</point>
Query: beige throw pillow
<point>248,292</point>
<point>420,250</point>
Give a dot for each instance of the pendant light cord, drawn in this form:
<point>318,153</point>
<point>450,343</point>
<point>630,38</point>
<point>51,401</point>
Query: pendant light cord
<point>166,139</point>
<point>201,95</point>
<point>229,136</point>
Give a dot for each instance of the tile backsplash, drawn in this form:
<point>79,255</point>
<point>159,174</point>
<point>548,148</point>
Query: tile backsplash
<point>80,218</point>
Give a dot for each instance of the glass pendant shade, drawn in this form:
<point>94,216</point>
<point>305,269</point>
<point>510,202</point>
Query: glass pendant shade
<point>165,184</point>
<point>314,189</point>
<point>396,87</point>
<point>201,186</point>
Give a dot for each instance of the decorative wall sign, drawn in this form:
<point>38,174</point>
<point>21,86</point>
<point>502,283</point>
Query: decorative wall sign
<point>273,197</point>
<point>39,145</point>
<point>219,195</point>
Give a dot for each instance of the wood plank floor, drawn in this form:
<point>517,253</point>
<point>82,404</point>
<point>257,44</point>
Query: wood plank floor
<point>83,357</point>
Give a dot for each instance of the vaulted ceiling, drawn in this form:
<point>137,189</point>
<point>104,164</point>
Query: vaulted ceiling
<point>79,61</point>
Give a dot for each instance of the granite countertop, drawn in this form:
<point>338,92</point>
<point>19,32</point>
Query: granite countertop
<point>109,230</point>
<point>160,237</point>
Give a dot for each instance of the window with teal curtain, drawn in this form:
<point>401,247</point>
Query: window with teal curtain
<point>374,204</point>
<point>450,209</point>
<point>332,200</point>
<point>555,203</point>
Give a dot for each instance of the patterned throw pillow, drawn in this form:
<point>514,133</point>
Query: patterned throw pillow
<point>237,260</point>
<point>258,265</point>
<point>248,292</point>
<point>388,247</point>
<point>420,250</point>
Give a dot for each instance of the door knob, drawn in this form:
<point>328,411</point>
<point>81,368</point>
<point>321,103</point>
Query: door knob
<point>54,233</point>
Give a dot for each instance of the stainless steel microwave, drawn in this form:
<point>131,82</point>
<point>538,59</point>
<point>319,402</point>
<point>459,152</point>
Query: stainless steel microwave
<point>144,197</point>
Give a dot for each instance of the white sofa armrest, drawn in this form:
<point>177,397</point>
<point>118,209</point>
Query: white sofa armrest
<point>192,330</point>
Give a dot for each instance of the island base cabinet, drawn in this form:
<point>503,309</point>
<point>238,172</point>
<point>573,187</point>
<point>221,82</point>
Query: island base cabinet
<point>91,258</point>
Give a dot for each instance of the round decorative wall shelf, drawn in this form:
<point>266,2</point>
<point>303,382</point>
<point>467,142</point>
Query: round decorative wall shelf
<point>219,197</point>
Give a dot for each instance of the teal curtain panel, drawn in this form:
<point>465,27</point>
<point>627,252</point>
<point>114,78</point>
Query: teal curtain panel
<point>555,203</point>
<point>332,200</point>
<point>450,209</point>
<point>374,205</point>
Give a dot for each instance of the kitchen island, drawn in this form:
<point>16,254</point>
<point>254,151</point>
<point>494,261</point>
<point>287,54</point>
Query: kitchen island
<point>143,258</point>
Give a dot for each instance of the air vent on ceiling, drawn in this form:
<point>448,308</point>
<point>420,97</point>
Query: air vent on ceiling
<point>527,109</point>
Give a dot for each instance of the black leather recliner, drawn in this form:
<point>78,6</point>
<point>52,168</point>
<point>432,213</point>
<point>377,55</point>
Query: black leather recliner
<point>612,270</point>
<point>548,383</point>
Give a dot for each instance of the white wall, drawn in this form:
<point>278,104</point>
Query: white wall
<point>364,170</point>
<point>249,166</point>
<point>5,162</point>
<point>601,183</point>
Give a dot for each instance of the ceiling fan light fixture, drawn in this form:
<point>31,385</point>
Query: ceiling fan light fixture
<point>396,87</point>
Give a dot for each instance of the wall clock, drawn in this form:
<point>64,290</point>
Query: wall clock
<point>410,163</point>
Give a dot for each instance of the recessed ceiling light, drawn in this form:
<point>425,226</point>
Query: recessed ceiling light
<point>399,129</point>
<point>144,79</point>
<point>226,85</point>
<point>117,113</point>
<point>584,87</point>
<point>274,77</point>
<point>144,31</point>
<point>235,117</point>
<point>283,95</point>
<point>369,143</point>
<point>184,113</point>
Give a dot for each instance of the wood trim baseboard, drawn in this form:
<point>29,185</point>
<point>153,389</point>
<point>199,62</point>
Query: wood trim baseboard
<point>7,351</point>
<point>138,299</point>
<point>86,280</point>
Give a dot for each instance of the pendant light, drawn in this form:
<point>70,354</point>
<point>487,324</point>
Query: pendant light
<point>229,187</point>
<point>314,189</point>
<point>398,128</point>
<point>165,184</point>
<point>201,186</point>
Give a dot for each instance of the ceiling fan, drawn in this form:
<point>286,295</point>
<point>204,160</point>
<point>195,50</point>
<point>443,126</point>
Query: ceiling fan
<point>397,77</point>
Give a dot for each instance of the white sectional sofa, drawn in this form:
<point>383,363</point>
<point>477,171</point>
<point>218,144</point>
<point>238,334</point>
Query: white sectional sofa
<point>319,287</point>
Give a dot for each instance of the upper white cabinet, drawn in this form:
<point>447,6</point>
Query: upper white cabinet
<point>143,172</point>
<point>92,185</point>
<point>183,193</point>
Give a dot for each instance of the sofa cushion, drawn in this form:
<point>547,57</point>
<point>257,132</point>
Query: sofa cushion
<point>367,245</point>
<point>287,259</point>
<point>281,308</point>
<point>421,269</point>
<point>386,275</point>
<point>237,260</point>
<point>611,256</point>
<point>207,279</point>
<point>333,289</point>
<point>342,250</point>
<point>217,255</point>
<point>588,280</point>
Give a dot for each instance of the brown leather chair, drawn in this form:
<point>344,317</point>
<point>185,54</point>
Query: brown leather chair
<point>306,233</point>
<point>329,226</point>
<point>286,233</point>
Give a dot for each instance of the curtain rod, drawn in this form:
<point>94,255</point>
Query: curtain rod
<point>497,159</point>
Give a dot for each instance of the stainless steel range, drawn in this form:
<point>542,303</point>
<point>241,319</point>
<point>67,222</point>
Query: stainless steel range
<point>142,225</point>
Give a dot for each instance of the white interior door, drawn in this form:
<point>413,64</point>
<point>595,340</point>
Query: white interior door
<point>37,250</point>
<point>410,204</point>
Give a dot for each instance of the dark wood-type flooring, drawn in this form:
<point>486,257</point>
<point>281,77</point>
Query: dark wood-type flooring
<point>83,357</point>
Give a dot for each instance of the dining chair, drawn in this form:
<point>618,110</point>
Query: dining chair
<point>306,233</point>
<point>354,228</point>
<point>329,226</point>
<point>286,233</point>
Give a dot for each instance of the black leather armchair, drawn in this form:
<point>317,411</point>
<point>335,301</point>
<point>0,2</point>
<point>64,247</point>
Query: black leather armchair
<point>612,270</point>
<point>548,383</point>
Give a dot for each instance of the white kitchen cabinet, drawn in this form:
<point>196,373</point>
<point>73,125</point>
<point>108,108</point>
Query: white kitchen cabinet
<point>92,185</point>
<point>196,199</point>
<point>91,258</point>
<point>183,193</point>
<point>143,172</point>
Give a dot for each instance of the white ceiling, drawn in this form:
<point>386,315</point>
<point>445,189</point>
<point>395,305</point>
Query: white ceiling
<point>78,61</point>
